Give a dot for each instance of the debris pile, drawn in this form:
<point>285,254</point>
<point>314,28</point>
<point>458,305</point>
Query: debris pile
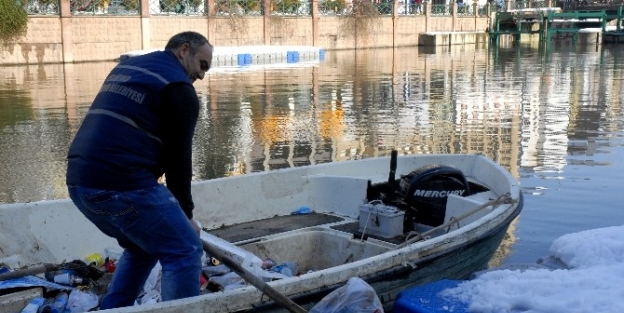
<point>79,285</point>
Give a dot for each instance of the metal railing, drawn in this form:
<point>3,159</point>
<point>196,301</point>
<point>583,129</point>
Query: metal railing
<point>39,7</point>
<point>334,7</point>
<point>291,7</point>
<point>238,7</point>
<point>441,9</point>
<point>177,7</point>
<point>256,7</point>
<point>385,7</point>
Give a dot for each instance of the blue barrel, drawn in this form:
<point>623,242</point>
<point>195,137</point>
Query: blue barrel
<point>425,299</point>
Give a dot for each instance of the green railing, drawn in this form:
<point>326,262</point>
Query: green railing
<point>81,7</point>
<point>244,7</point>
<point>333,7</point>
<point>291,7</point>
<point>385,7</point>
<point>441,9</point>
<point>39,7</point>
<point>177,7</point>
<point>238,7</point>
<point>575,21</point>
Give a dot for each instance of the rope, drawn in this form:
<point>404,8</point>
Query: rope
<point>503,199</point>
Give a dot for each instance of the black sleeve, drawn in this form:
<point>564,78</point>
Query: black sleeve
<point>180,109</point>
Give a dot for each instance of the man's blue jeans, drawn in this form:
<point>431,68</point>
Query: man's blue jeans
<point>150,225</point>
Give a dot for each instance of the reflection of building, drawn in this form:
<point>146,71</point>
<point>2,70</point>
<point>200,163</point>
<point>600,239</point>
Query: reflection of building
<point>505,247</point>
<point>357,104</point>
<point>296,119</point>
<point>427,105</point>
<point>545,121</point>
<point>564,108</point>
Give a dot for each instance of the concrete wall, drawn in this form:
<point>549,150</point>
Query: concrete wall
<point>409,28</point>
<point>99,39</point>
<point>42,44</point>
<point>62,39</point>
<point>290,31</point>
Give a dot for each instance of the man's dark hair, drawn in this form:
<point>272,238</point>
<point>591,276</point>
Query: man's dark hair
<point>195,40</point>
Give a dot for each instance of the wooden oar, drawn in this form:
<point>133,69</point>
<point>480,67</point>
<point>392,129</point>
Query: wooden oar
<point>253,279</point>
<point>33,270</point>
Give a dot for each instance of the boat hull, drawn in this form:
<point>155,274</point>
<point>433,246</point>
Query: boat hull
<point>458,264</point>
<point>326,244</point>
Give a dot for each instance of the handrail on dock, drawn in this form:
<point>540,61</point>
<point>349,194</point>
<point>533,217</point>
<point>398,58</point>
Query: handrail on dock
<point>548,20</point>
<point>578,18</point>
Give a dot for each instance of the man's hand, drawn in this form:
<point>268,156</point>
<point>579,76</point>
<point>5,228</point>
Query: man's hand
<point>196,226</point>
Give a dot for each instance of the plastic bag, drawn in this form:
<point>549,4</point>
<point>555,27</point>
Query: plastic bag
<point>227,279</point>
<point>246,259</point>
<point>151,288</point>
<point>355,297</point>
<point>81,301</point>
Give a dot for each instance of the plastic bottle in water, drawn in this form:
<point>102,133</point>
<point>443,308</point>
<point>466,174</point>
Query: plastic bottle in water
<point>59,303</point>
<point>33,305</point>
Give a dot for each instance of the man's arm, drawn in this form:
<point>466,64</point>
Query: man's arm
<point>179,113</point>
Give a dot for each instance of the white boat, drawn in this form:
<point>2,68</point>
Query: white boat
<point>408,241</point>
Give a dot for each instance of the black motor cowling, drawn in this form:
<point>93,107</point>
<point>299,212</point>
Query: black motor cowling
<point>423,192</point>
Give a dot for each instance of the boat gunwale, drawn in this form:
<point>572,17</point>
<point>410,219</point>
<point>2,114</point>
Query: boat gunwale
<point>496,220</point>
<point>395,271</point>
<point>279,285</point>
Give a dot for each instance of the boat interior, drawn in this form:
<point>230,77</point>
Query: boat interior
<point>320,240</point>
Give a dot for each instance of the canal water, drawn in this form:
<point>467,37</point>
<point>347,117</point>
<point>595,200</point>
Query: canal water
<point>553,118</point>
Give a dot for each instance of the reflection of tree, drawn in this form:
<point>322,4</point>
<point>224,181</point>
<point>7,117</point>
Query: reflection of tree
<point>14,111</point>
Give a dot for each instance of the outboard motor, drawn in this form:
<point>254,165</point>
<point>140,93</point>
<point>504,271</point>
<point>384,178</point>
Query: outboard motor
<point>423,192</point>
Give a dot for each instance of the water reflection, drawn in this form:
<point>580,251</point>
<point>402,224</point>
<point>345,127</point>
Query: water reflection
<point>356,105</point>
<point>520,107</point>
